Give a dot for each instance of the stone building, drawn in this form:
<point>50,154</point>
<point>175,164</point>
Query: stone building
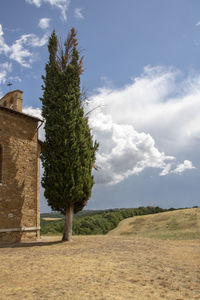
<point>19,171</point>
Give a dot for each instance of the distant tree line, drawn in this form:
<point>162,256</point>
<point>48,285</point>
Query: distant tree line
<point>97,222</point>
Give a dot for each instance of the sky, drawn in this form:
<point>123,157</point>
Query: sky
<point>142,76</point>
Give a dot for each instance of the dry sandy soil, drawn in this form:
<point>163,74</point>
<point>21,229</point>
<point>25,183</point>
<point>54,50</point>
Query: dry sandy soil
<point>101,267</point>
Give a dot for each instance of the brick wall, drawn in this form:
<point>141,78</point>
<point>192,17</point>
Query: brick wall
<point>20,186</point>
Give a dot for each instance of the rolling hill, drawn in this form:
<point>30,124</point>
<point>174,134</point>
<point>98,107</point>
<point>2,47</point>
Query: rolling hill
<point>180,224</point>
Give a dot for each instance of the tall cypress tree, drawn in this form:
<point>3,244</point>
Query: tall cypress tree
<point>68,151</point>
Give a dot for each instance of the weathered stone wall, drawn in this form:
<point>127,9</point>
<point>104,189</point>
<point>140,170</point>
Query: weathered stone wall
<point>13,100</point>
<point>20,186</point>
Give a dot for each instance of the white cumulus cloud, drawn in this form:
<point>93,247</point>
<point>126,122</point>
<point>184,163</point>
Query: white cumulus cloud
<point>36,2</point>
<point>14,79</point>
<point>78,13</point>
<point>3,47</point>
<point>166,170</point>
<point>1,30</point>
<point>145,124</point>
<point>5,68</point>
<point>62,5</point>
<point>44,23</point>
<point>123,151</point>
<point>20,54</point>
<point>36,112</point>
<point>20,50</point>
<point>159,103</point>
<point>3,74</point>
<point>186,165</point>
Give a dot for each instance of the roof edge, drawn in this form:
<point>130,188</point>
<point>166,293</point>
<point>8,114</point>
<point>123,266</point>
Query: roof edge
<point>20,113</point>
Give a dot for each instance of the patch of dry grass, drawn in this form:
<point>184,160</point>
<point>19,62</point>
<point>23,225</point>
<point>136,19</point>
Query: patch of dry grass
<point>174,225</point>
<point>51,219</point>
<point>101,267</point>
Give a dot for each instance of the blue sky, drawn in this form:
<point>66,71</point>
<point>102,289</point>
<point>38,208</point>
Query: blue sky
<point>142,69</point>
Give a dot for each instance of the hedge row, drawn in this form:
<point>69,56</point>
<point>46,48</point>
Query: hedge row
<point>100,222</point>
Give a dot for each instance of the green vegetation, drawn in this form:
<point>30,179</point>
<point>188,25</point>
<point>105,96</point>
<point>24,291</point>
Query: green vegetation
<point>51,215</point>
<point>68,153</point>
<point>95,222</point>
<point>177,225</point>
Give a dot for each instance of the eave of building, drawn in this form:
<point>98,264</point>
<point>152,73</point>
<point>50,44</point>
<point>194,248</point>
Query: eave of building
<point>20,113</point>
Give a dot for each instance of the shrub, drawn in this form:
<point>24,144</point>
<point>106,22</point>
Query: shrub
<point>97,222</point>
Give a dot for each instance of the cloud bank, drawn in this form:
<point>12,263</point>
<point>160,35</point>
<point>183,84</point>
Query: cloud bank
<point>147,123</point>
<point>123,150</point>
<point>130,123</point>
<point>160,102</point>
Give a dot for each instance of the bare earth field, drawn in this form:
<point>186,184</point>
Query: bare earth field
<point>101,267</point>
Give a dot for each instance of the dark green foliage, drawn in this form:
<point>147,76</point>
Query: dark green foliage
<point>68,151</point>
<point>51,215</point>
<point>97,222</point>
<point>52,227</point>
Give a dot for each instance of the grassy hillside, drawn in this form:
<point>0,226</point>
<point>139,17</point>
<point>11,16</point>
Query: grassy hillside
<point>175,225</point>
<point>93,222</point>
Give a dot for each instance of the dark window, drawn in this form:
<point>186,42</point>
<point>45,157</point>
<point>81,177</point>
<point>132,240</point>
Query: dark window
<point>1,163</point>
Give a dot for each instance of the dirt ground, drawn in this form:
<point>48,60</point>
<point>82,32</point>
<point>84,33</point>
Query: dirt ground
<point>101,267</point>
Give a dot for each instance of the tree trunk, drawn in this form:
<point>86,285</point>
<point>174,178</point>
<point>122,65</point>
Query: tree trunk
<point>67,235</point>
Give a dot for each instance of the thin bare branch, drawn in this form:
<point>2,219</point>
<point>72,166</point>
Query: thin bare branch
<point>93,110</point>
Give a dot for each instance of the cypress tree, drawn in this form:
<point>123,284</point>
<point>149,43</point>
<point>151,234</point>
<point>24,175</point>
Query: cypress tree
<point>69,151</point>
